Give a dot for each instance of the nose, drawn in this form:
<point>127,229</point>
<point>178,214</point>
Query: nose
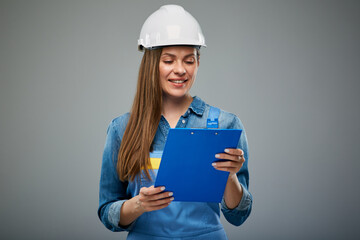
<point>179,69</point>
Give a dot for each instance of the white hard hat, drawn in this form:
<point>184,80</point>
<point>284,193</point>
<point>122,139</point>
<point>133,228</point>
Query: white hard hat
<point>170,25</point>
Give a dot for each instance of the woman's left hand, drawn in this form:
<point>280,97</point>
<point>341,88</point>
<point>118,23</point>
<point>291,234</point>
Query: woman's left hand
<point>235,161</point>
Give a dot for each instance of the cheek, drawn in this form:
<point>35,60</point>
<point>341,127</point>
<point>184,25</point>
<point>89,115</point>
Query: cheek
<point>192,72</point>
<point>164,70</point>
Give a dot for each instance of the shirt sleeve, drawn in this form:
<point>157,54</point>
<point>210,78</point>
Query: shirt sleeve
<point>239,214</point>
<point>112,191</point>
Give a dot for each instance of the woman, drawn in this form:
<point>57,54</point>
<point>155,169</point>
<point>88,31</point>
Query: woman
<point>171,38</point>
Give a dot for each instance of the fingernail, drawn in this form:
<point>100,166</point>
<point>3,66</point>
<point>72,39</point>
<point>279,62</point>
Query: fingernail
<point>217,155</point>
<point>227,150</point>
<point>170,194</point>
<point>172,199</point>
<point>162,188</point>
<point>214,164</point>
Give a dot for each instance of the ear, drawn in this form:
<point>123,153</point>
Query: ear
<point>198,61</point>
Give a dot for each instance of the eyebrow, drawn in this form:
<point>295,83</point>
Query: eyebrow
<point>172,55</point>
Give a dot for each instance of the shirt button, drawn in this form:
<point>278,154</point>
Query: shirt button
<point>188,111</point>
<point>183,121</point>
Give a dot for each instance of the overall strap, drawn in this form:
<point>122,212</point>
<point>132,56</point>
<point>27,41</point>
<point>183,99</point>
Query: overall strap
<point>213,118</point>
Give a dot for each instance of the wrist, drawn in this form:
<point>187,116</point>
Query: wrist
<point>137,209</point>
<point>232,176</point>
<point>235,180</point>
<point>129,212</point>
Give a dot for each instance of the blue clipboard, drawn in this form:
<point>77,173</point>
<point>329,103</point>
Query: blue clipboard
<point>185,167</point>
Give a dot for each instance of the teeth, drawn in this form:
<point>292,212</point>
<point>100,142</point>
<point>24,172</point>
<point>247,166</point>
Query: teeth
<point>178,81</point>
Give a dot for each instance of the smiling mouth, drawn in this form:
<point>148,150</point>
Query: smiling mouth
<point>178,81</point>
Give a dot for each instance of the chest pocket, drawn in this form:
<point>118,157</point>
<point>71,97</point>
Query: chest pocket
<point>155,159</point>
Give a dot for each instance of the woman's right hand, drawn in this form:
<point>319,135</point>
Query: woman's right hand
<point>153,198</point>
<point>149,199</point>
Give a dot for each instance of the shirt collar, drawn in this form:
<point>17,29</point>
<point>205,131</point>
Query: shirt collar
<point>197,106</point>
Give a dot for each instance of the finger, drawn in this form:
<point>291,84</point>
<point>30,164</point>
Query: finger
<point>227,157</point>
<point>157,207</point>
<point>154,205</point>
<point>154,197</point>
<point>234,151</point>
<point>227,169</point>
<point>160,202</point>
<point>229,164</point>
<point>151,190</point>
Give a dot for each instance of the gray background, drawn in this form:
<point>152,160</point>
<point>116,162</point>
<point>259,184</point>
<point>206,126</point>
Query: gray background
<point>289,69</point>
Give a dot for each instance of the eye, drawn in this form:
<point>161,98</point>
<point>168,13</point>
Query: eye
<point>168,61</point>
<point>190,61</point>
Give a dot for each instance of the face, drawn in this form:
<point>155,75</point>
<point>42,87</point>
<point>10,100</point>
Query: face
<point>178,67</point>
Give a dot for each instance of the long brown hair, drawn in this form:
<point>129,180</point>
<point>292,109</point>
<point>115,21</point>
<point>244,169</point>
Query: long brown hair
<point>144,119</point>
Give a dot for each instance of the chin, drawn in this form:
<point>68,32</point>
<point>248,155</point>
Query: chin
<point>176,94</point>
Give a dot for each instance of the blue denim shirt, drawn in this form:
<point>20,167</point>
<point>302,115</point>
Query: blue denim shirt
<point>182,220</point>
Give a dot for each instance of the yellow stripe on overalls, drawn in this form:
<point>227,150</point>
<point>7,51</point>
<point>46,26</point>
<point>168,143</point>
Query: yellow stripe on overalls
<point>155,163</point>
<point>155,159</point>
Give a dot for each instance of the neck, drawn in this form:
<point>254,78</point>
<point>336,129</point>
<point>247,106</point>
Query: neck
<point>173,108</point>
<point>176,105</point>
